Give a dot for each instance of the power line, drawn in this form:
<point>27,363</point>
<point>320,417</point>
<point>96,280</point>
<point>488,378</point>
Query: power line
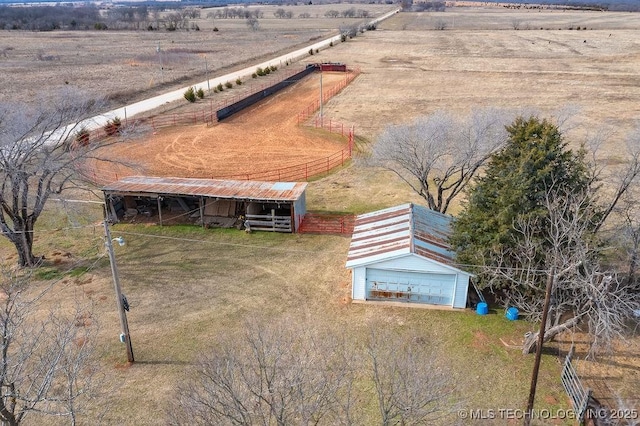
<point>194,240</point>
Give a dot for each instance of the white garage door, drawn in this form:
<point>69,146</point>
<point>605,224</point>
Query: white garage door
<point>436,289</point>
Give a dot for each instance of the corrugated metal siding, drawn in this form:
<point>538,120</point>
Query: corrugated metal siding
<point>242,190</point>
<point>402,229</point>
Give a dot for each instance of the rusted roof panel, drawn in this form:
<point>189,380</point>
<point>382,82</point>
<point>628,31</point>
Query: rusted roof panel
<point>236,189</point>
<point>400,230</point>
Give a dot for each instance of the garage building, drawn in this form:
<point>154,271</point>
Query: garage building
<point>264,206</point>
<point>401,254</point>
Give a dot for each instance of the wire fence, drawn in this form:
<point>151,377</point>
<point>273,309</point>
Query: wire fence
<point>311,115</point>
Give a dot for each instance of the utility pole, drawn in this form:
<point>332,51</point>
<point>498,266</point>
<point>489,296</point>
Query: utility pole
<point>159,52</point>
<point>124,325</point>
<point>206,70</point>
<point>536,366</point>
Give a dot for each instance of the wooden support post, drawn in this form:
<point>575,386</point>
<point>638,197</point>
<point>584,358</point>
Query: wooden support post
<point>160,209</point>
<point>202,211</point>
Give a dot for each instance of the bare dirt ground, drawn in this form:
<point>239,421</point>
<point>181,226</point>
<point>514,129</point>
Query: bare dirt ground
<point>262,138</point>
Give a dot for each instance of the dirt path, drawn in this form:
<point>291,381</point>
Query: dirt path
<point>259,139</point>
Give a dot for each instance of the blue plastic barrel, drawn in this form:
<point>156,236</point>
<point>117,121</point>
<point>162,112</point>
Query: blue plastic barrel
<point>482,308</point>
<point>512,314</point>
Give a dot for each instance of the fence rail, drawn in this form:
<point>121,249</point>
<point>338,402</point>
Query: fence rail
<point>317,223</point>
<point>297,172</point>
<point>573,386</point>
<point>268,223</point>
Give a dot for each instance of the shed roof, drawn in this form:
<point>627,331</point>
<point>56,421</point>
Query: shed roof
<point>231,189</point>
<point>400,230</point>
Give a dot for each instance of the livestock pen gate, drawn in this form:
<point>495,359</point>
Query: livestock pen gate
<point>260,206</point>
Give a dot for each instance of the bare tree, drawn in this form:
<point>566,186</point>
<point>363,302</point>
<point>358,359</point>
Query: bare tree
<point>410,388</point>
<point>440,25</point>
<point>349,13</point>
<point>516,23</point>
<point>628,234</point>
<point>45,367</point>
<point>253,23</point>
<point>285,372</point>
<point>585,291</point>
<point>277,374</point>
<point>437,155</point>
<point>40,150</point>
<point>349,31</point>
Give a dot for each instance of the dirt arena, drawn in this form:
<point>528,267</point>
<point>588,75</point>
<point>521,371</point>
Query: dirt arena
<point>260,139</point>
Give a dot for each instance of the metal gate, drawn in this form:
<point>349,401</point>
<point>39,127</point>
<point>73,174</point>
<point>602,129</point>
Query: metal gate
<point>573,386</point>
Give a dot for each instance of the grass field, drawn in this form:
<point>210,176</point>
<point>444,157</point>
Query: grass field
<point>187,286</point>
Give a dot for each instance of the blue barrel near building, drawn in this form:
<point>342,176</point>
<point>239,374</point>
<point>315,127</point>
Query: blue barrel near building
<point>482,308</point>
<point>512,314</point>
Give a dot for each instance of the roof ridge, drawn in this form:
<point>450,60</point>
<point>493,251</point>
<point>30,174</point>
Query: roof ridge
<point>412,246</point>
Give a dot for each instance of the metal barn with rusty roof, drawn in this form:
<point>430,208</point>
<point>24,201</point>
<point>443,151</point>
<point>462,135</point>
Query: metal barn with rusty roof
<point>264,206</point>
<point>401,254</point>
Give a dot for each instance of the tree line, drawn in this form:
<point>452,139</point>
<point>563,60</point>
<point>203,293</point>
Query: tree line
<point>90,17</point>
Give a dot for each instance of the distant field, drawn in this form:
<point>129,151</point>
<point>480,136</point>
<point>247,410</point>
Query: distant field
<point>130,65</point>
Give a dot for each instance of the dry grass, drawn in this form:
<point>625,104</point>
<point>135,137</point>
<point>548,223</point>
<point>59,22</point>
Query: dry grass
<point>188,286</point>
<point>192,285</point>
<point>126,65</point>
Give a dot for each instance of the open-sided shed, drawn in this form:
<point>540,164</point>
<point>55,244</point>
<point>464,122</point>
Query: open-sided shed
<point>401,254</point>
<point>267,206</point>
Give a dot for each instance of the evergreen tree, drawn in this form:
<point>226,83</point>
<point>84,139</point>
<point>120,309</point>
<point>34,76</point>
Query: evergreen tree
<point>518,179</point>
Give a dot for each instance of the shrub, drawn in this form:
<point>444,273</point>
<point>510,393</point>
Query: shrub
<point>260,71</point>
<point>273,68</point>
<point>228,85</point>
<point>343,38</point>
<point>254,75</point>
<point>190,94</point>
<point>331,43</point>
<point>219,87</point>
<point>100,26</point>
<point>200,93</point>
<point>311,52</point>
<point>215,29</point>
<point>113,126</point>
<point>267,71</point>
<point>82,137</point>
<point>239,82</point>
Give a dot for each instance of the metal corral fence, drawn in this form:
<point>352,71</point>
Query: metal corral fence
<point>311,109</point>
<point>573,386</point>
<point>303,171</point>
<point>311,169</point>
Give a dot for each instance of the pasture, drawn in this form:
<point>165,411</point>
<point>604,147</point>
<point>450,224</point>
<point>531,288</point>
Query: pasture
<point>187,286</point>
